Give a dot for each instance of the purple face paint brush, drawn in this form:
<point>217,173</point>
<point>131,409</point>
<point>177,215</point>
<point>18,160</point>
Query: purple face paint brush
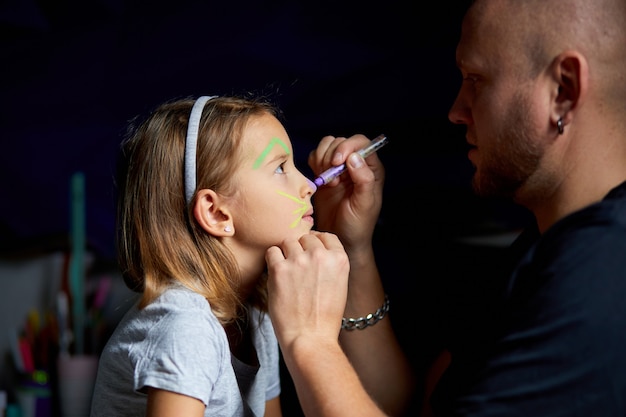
<point>332,173</point>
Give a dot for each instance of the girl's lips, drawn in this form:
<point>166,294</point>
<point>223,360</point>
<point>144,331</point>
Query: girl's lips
<point>308,217</point>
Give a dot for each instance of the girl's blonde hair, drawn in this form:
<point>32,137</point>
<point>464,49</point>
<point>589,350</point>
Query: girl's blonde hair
<point>158,239</point>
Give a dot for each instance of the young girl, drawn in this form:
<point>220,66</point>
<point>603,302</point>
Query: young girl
<point>209,186</point>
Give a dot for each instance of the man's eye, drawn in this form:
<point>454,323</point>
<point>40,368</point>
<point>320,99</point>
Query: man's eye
<point>469,79</point>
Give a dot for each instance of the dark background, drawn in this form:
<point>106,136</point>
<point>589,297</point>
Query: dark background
<point>73,72</point>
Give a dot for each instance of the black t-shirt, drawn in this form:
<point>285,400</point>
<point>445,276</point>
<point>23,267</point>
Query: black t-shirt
<point>554,340</point>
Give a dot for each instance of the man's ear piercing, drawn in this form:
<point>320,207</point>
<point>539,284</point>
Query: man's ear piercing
<point>559,125</point>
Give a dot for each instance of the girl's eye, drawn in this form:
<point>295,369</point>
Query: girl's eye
<point>280,169</point>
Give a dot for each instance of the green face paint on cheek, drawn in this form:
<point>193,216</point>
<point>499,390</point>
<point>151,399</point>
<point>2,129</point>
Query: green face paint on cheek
<point>267,150</point>
<point>299,212</point>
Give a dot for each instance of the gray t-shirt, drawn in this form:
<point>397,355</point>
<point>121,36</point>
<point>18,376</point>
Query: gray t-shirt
<point>177,344</point>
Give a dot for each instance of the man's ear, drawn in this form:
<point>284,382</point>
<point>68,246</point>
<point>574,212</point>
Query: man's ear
<point>212,214</point>
<point>571,72</point>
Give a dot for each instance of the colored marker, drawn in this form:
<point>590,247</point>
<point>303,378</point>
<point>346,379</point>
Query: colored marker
<point>332,173</point>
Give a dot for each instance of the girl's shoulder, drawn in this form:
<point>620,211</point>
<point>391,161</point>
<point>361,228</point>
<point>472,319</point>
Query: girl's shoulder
<point>181,303</point>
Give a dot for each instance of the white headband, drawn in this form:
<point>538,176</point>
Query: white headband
<point>191,145</point>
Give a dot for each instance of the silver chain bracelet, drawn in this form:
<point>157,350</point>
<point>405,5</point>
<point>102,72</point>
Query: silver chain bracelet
<point>369,320</point>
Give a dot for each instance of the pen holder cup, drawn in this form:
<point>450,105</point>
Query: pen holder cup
<point>76,377</point>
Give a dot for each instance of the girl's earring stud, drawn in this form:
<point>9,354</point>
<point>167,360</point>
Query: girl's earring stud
<point>227,229</point>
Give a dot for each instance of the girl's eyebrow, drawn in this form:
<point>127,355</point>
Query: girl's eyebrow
<point>267,150</point>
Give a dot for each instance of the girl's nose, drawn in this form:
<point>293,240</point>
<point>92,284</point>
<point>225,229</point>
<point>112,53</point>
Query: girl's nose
<point>312,185</point>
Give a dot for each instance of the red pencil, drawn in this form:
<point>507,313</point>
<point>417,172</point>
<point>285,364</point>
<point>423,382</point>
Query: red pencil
<point>27,355</point>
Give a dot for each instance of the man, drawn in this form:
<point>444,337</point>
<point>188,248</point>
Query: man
<point>544,101</point>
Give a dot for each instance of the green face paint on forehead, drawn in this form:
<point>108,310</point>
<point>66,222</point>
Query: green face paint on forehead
<point>267,150</point>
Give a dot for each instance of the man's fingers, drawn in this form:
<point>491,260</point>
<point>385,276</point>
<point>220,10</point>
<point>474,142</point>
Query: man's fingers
<point>274,254</point>
<point>329,240</point>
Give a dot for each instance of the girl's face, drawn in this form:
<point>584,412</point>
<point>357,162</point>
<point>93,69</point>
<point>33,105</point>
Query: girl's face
<point>272,201</point>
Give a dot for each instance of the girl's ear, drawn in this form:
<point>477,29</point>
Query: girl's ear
<point>212,215</point>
